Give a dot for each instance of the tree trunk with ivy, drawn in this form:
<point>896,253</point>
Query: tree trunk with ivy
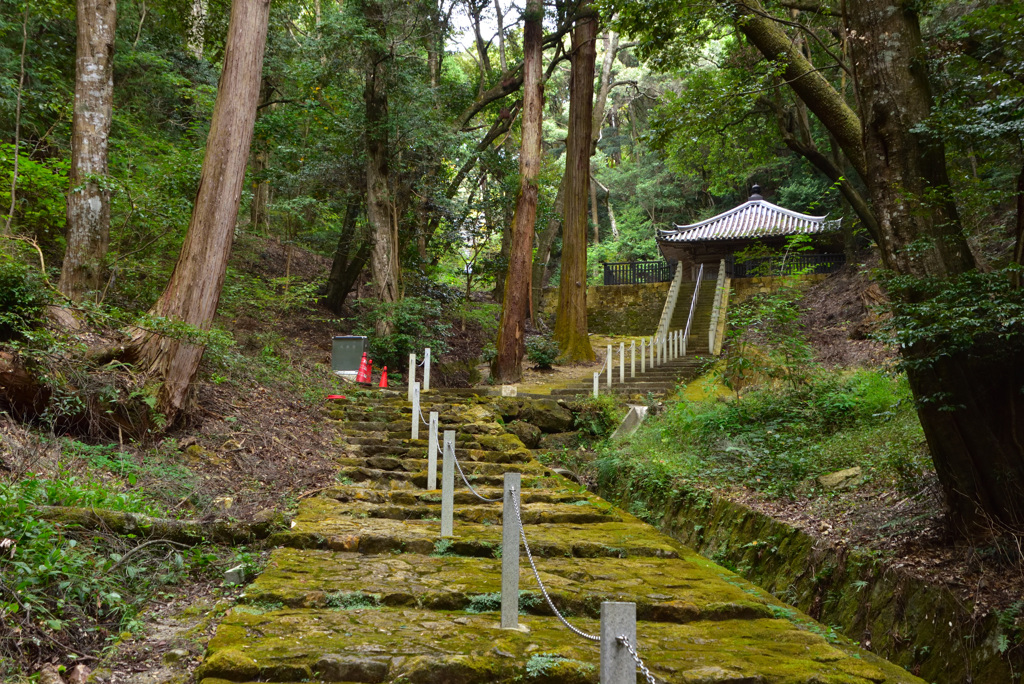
<point>507,366</point>
<point>379,215</point>
<point>970,401</point>
<point>969,386</point>
<point>571,319</point>
<point>194,289</point>
<point>88,210</point>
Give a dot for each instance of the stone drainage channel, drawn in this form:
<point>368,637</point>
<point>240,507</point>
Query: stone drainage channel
<point>374,582</point>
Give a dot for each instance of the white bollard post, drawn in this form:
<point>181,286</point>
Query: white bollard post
<point>432,452</point>
<point>412,373</point>
<point>510,554</point>
<point>643,355</point>
<point>426,369</point>
<point>448,484</point>
<point>622,362</point>
<point>632,359</point>
<point>597,382</point>
<point>651,348</point>
<point>415,410</point>
<point>609,364</point>
<point>617,619</point>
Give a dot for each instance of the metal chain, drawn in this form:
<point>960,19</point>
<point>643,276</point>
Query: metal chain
<point>624,640</point>
<point>473,491</point>
<point>529,556</point>
<point>423,419</point>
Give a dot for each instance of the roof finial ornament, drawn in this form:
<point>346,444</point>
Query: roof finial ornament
<point>755,192</point>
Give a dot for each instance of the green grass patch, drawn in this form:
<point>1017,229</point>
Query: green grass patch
<point>774,440</point>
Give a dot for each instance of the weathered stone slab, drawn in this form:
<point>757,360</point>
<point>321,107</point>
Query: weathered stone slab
<point>413,645</point>
<point>665,590</point>
<point>318,524</point>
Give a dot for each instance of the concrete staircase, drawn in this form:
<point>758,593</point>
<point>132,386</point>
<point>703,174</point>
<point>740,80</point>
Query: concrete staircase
<point>698,343</point>
<point>663,379</point>
<point>362,588</point>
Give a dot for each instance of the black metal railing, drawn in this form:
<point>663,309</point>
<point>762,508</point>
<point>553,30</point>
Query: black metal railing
<point>638,272</point>
<point>792,264</point>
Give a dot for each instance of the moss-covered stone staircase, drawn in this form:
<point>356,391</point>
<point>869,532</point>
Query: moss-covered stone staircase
<point>362,588</point>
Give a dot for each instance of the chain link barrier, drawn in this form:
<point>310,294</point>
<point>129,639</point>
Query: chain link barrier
<point>543,590</point>
<point>624,640</point>
<point>469,486</point>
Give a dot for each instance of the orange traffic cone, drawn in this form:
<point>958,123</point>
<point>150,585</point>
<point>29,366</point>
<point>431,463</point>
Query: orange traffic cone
<point>384,378</point>
<point>369,372</point>
<point>361,375</point>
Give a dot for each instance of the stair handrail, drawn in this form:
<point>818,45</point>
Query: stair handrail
<point>716,308</point>
<point>670,305</point>
<point>693,307</point>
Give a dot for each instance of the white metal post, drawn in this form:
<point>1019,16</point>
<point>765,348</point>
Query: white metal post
<point>426,369</point>
<point>412,373</point>
<point>432,452</point>
<point>510,554</point>
<point>448,484</point>
<point>643,355</point>
<point>622,362</point>
<point>650,347</point>
<point>415,410</point>
<point>617,665</point>
<point>609,364</point>
<point>632,359</point>
<point>597,382</point>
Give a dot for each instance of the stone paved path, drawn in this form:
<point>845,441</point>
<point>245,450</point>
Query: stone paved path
<point>362,588</point>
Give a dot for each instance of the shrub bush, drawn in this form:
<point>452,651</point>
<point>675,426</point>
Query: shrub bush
<point>542,350</point>
<point>23,297</point>
<point>415,324</point>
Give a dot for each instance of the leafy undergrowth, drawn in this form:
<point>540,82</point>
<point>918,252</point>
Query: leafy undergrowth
<point>767,450</point>
<point>776,441</point>
<point>66,593</point>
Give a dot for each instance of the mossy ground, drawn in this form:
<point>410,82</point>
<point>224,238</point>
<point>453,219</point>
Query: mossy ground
<point>364,589</point>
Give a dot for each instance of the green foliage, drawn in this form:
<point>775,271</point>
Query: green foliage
<point>352,600</point>
<point>23,298</point>
<point>543,664</point>
<point>542,350</point>
<point>767,341</point>
<point>415,323</point>
<point>58,583</point>
<point>982,313</point>
<point>776,439</point>
<point>597,416</point>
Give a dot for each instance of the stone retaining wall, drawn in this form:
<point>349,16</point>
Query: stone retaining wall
<point>618,309</point>
<point>915,624</point>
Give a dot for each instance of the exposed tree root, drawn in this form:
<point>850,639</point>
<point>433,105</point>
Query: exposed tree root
<point>180,531</point>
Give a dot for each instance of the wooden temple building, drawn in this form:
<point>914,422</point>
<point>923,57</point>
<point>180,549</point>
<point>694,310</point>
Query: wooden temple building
<point>756,221</point>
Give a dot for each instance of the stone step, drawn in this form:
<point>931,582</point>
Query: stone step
<point>477,511</point>
<point>372,643</point>
<point>321,523</point>
<point>665,590</point>
<point>349,493</point>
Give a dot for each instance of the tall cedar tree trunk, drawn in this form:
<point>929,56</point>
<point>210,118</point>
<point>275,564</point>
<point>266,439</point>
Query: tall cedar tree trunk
<point>547,236</point>
<point>194,289</point>
<point>571,319</point>
<point>384,258</point>
<point>88,212</point>
<point>970,404</point>
<point>507,366</point>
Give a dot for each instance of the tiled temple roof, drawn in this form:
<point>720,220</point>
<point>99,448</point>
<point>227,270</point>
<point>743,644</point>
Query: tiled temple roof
<point>754,218</point>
